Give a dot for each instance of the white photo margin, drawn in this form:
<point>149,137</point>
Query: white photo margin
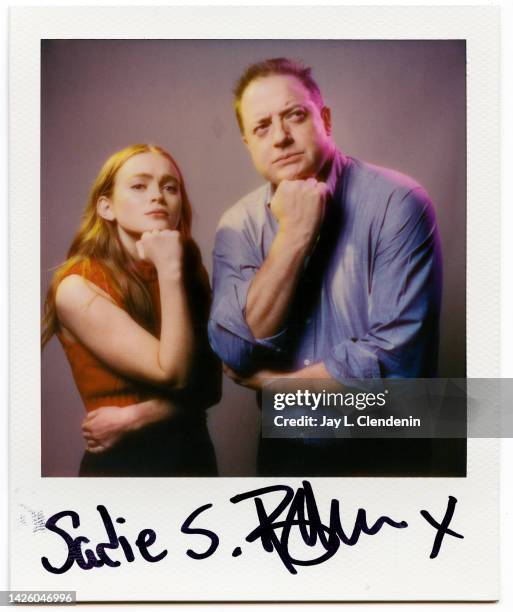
<point>468,570</point>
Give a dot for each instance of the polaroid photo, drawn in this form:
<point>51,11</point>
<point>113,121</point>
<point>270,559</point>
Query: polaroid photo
<point>316,213</point>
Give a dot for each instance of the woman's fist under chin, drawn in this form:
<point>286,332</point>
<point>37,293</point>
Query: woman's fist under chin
<point>162,248</point>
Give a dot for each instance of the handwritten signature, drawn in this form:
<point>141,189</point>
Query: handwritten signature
<point>296,514</point>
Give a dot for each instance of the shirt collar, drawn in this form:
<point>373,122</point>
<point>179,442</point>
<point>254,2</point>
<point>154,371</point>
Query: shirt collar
<point>338,164</point>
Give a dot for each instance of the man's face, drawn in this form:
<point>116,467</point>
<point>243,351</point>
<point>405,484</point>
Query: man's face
<point>287,134</point>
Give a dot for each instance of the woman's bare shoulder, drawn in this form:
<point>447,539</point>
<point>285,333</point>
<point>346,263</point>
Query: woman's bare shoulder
<point>82,282</point>
<point>82,278</point>
<point>75,292</point>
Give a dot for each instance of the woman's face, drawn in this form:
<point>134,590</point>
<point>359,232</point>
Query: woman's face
<point>146,197</point>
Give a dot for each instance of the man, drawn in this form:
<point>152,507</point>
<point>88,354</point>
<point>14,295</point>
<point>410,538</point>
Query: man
<point>330,271</point>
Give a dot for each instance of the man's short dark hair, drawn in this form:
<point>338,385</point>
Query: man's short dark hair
<point>268,67</point>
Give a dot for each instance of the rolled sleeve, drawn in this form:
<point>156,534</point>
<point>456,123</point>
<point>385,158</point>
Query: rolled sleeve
<point>236,261</point>
<point>352,360</point>
<point>405,296</point>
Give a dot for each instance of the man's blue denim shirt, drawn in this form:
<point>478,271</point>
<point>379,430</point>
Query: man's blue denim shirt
<point>368,304</point>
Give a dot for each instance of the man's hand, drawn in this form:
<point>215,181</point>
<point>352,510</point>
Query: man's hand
<point>254,381</point>
<point>258,380</point>
<point>105,426</point>
<point>298,206</point>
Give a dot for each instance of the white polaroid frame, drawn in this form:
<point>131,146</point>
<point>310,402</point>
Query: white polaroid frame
<point>375,569</point>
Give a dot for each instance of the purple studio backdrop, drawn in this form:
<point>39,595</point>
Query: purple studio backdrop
<point>399,104</point>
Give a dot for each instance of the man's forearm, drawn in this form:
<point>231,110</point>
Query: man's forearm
<point>273,287</point>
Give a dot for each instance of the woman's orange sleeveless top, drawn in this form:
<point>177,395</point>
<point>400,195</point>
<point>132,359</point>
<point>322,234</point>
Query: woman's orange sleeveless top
<point>96,382</point>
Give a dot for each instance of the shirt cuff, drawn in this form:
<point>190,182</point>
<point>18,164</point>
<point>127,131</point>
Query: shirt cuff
<point>351,363</point>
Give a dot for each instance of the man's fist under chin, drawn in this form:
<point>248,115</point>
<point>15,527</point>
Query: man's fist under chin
<point>298,207</point>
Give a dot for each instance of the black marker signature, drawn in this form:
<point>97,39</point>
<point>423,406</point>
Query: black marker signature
<point>213,537</point>
<point>300,509</point>
<point>99,556</point>
<point>296,513</point>
<point>443,527</point>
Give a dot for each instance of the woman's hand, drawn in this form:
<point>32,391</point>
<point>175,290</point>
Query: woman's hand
<point>105,426</point>
<point>163,248</point>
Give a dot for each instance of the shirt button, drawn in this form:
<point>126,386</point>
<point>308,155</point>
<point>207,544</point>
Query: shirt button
<point>306,362</point>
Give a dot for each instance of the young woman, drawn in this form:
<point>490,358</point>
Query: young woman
<point>130,307</point>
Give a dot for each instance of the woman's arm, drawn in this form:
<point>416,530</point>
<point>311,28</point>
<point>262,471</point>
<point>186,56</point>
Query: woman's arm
<point>116,339</point>
<point>106,426</point>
